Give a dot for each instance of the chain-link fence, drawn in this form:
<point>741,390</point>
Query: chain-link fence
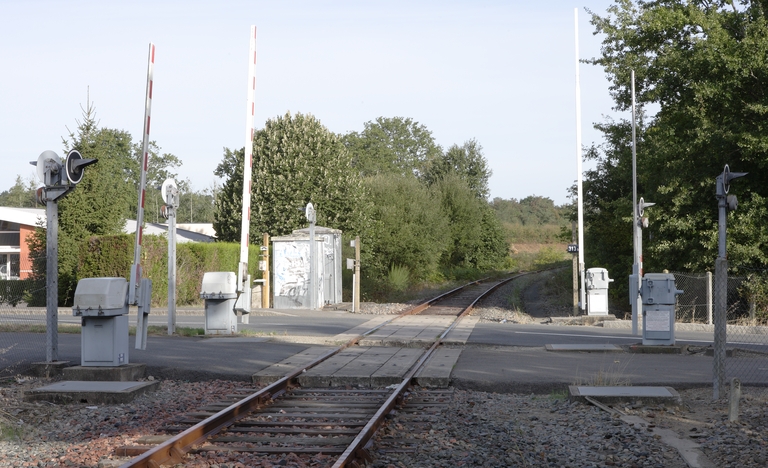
<point>695,304</point>
<point>738,320</point>
<point>22,326</point>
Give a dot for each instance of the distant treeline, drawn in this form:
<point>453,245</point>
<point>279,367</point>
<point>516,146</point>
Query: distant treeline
<point>533,219</point>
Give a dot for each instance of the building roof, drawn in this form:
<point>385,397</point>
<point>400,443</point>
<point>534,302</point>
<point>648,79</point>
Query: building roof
<point>27,216</point>
<point>190,233</point>
<point>182,235</point>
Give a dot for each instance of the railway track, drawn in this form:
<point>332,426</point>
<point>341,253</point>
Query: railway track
<point>322,426</point>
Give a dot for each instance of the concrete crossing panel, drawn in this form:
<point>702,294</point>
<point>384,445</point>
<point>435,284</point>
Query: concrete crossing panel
<point>359,371</point>
<point>278,370</point>
<point>320,375</point>
<point>393,371</point>
<point>437,371</point>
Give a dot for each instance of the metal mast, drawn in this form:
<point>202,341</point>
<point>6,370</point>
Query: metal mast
<point>580,194</point>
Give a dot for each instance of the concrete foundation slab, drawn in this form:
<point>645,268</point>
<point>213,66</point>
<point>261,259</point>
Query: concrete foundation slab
<point>583,320</point>
<point>658,349</point>
<point>600,348</point>
<point>628,393</point>
<point>48,369</point>
<point>126,373</point>
<point>108,393</point>
<point>255,339</point>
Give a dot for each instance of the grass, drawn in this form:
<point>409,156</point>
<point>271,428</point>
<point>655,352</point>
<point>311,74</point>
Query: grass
<point>514,299</point>
<point>559,395</point>
<point>559,287</point>
<point>36,328</point>
<point>9,427</point>
<point>399,277</point>
<point>613,376</point>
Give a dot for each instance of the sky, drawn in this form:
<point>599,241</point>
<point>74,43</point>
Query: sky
<point>501,72</point>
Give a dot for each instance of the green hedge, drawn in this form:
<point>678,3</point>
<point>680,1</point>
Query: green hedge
<point>14,291</point>
<point>113,256</point>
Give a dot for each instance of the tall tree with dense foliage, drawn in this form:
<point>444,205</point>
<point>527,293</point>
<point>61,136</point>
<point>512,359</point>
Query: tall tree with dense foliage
<point>466,162</point>
<point>99,205</point>
<point>228,203</point>
<point>395,145</point>
<point>409,228</point>
<point>475,233</point>
<point>296,160</point>
<point>101,202</point>
<point>703,65</point>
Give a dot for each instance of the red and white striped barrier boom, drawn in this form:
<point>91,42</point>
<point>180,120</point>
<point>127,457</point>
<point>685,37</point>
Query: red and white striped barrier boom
<point>245,227</point>
<point>136,266</point>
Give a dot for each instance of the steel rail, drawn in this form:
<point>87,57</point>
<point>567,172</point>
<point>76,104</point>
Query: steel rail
<point>173,450</point>
<point>356,450</point>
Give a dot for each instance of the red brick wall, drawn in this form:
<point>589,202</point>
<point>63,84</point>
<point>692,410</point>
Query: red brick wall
<point>25,267</point>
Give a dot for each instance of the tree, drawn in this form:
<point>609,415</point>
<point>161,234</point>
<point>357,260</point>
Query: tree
<point>465,161</point>
<point>409,228</point>
<point>532,210</point>
<point>159,168</point>
<point>395,145</point>
<point>228,203</point>
<point>23,194</point>
<point>296,160</point>
<point>196,206</point>
<point>476,237</point>
<point>102,200</point>
<point>97,206</point>
<point>704,65</point>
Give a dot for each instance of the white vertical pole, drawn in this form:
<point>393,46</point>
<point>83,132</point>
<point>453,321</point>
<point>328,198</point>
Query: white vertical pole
<point>579,194</point>
<point>356,282</point>
<point>245,226</point>
<point>136,267</point>
<point>637,267</point>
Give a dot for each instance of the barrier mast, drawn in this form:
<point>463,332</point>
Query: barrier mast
<point>134,293</point>
<point>580,193</point>
<point>242,271</point>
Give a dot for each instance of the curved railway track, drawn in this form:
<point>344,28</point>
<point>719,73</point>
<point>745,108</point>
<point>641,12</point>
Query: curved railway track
<point>281,420</point>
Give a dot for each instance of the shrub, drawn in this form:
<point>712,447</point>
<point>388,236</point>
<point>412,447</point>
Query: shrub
<point>398,277</point>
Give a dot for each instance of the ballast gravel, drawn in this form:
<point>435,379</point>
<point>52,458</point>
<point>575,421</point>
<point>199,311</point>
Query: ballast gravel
<point>482,429</point>
<point>475,429</point>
